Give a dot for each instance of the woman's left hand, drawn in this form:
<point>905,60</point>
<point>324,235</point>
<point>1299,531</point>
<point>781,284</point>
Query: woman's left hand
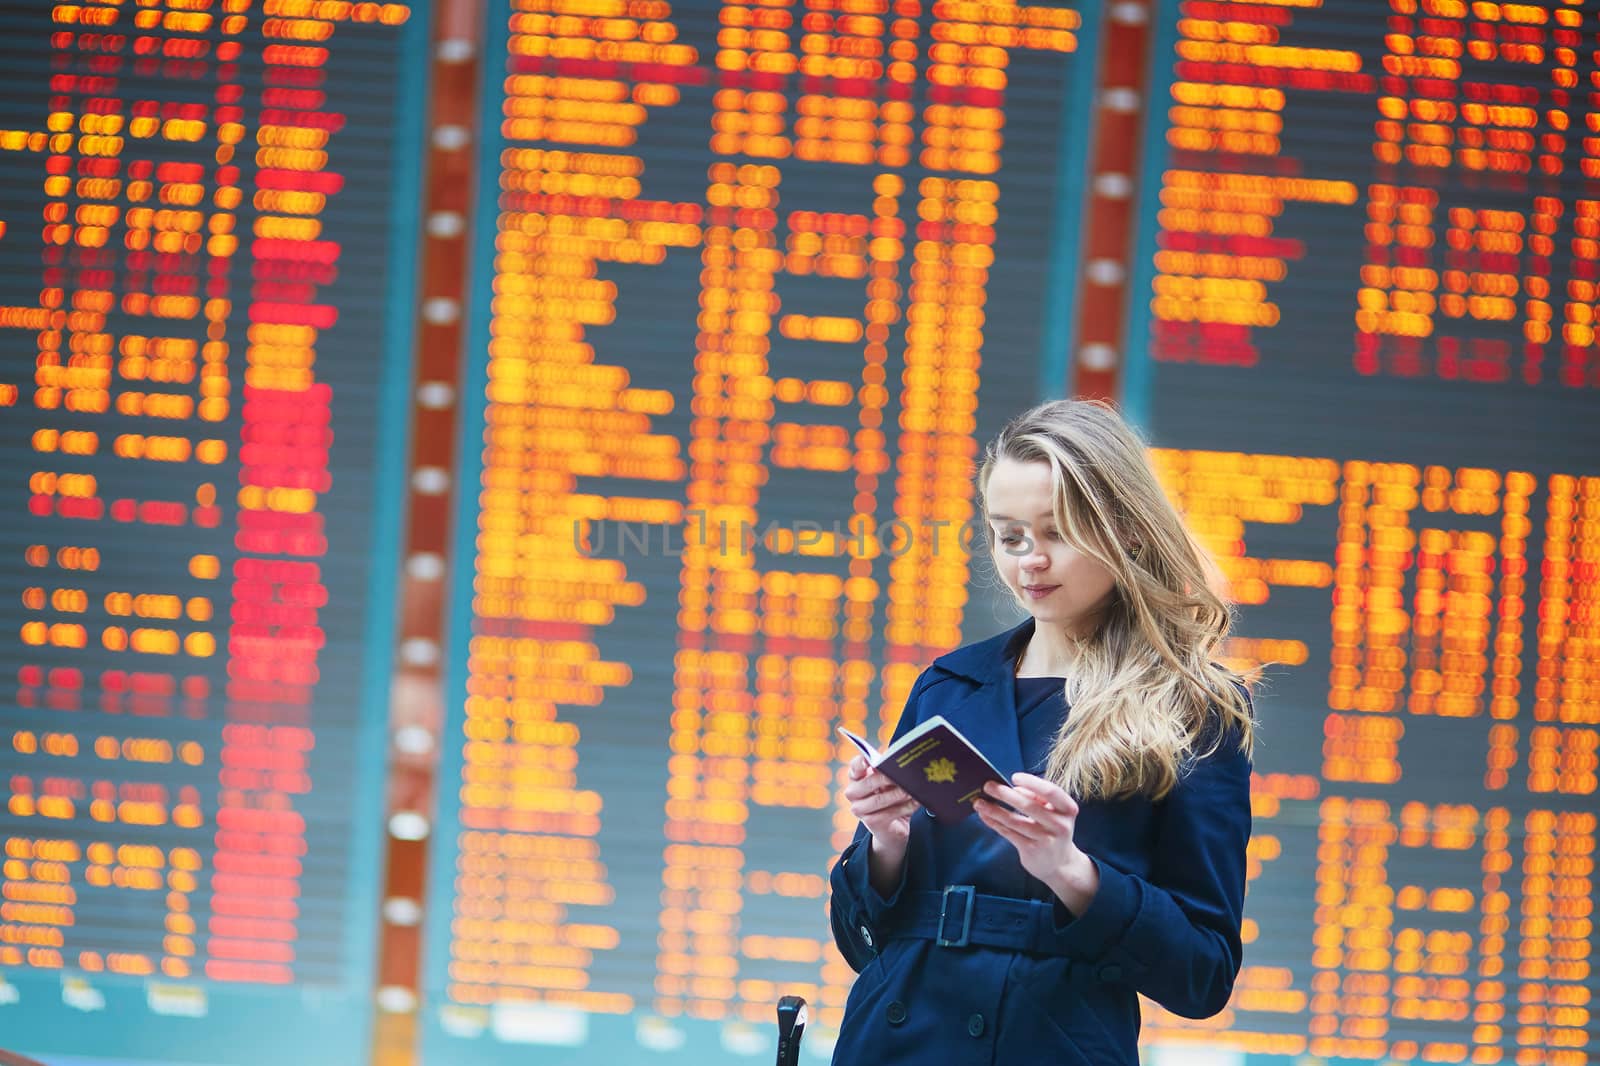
<point>1041,828</point>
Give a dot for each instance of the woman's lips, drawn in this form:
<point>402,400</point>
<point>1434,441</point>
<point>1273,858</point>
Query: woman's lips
<point>1038,592</point>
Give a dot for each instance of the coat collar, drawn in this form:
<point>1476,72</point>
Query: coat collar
<point>989,661</point>
<point>988,714</point>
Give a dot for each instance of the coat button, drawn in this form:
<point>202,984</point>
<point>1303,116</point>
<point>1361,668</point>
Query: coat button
<point>896,1012</point>
<point>866,934</point>
<point>975,1024</point>
<point>1111,972</point>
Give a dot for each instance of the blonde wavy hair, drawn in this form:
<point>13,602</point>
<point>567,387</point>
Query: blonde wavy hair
<point>1145,691</point>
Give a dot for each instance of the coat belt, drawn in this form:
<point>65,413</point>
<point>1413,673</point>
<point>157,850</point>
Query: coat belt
<point>960,915</point>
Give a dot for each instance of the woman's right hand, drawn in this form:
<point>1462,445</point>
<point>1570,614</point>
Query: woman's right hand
<point>885,809</point>
<point>881,805</point>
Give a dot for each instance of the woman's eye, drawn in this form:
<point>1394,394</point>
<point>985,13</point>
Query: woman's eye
<point>1013,538</point>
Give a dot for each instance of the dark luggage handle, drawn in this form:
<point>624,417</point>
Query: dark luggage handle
<point>791,1027</point>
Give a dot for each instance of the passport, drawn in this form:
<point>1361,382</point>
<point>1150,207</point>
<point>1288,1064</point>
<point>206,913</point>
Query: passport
<point>936,765</point>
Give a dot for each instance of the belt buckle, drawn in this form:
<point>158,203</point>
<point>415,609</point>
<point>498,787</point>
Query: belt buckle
<point>960,941</point>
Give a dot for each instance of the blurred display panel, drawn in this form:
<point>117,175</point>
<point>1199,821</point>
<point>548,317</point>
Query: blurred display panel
<point>757,280</point>
<point>1366,279</point>
<point>203,245</point>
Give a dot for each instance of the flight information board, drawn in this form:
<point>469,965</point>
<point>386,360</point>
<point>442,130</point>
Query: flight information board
<point>1366,286</point>
<point>755,281</point>
<point>205,303</point>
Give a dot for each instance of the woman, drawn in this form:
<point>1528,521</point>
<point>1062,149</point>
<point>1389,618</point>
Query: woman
<point>1025,935</point>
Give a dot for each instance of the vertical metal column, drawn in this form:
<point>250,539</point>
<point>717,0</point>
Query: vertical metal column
<point>416,704</point>
<point>1111,203</point>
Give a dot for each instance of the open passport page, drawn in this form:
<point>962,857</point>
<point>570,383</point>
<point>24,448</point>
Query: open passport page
<point>939,767</point>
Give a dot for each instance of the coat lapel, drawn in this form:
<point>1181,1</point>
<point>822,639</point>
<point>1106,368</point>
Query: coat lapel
<point>987,714</point>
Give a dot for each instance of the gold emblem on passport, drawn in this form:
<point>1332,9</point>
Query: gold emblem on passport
<point>940,770</point>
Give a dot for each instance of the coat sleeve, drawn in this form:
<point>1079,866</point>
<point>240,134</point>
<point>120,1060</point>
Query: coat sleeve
<point>855,909</point>
<point>1175,936</point>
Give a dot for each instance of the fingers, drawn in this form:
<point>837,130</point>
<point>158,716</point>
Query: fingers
<point>874,803</point>
<point>874,799</point>
<point>1029,806</point>
<point>1017,828</point>
<point>894,812</point>
<point>1023,801</point>
<point>879,802</point>
<point>872,783</point>
<point>858,788</point>
<point>1048,792</point>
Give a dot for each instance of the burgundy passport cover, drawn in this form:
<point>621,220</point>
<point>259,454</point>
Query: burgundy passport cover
<point>935,764</point>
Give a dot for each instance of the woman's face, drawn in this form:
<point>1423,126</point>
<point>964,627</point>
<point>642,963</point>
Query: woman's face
<point>1055,582</point>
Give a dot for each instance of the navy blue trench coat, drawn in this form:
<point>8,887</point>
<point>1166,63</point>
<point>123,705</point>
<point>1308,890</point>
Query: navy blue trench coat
<point>972,961</point>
